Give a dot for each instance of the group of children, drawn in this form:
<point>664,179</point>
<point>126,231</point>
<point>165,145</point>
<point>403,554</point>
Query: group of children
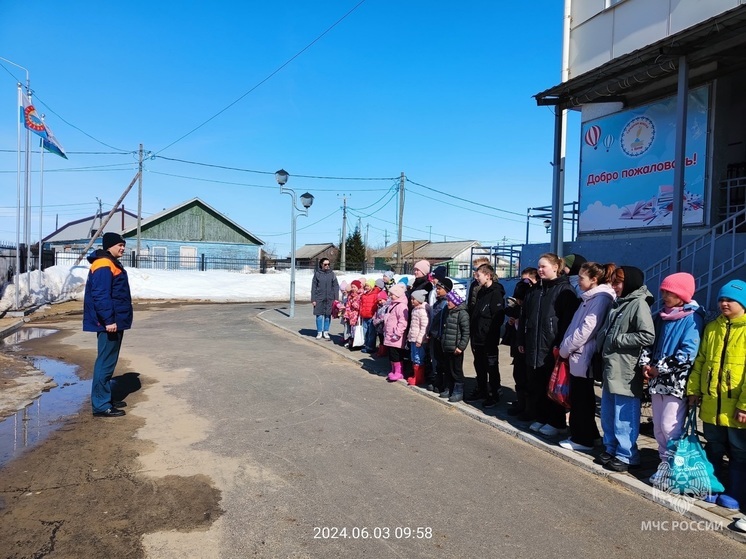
<point>425,324</point>
<point>610,334</point>
<point>597,317</point>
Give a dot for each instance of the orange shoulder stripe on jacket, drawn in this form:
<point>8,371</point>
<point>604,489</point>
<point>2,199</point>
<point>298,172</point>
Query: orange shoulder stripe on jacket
<point>105,262</point>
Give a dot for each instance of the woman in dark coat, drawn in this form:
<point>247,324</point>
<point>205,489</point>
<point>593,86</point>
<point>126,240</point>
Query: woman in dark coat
<point>324,291</point>
<point>545,316</point>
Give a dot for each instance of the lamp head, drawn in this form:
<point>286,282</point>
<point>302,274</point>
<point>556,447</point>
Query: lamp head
<point>281,177</point>
<point>547,224</point>
<point>307,200</point>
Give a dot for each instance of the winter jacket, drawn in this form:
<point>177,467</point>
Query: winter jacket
<point>471,296</point>
<point>718,374</point>
<point>379,317</point>
<point>438,318</point>
<point>487,317</point>
<point>395,323</point>
<point>324,290</point>
<point>545,316</point>
<point>369,303</point>
<point>419,319</point>
<point>674,351</point>
<point>456,329</point>
<point>352,309</point>
<point>627,329</point>
<point>107,299</point>
<point>579,344</point>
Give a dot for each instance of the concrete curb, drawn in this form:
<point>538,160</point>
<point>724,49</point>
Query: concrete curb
<point>694,511</point>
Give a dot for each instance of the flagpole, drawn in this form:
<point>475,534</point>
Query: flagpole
<point>27,211</point>
<point>41,200</point>
<point>17,278</point>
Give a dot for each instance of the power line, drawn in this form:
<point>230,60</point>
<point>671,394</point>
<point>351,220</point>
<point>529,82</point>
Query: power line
<point>272,74</point>
<point>450,203</point>
<point>467,201</point>
<point>300,228</point>
<point>242,170</point>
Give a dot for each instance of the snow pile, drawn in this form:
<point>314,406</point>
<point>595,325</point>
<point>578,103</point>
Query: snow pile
<point>62,283</point>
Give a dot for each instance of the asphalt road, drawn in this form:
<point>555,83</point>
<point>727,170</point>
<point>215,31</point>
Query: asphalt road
<point>317,457</point>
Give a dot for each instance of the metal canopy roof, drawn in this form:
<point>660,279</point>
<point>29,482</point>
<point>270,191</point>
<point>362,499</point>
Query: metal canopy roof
<point>714,47</point>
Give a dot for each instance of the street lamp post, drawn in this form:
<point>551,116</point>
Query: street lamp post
<point>306,201</point>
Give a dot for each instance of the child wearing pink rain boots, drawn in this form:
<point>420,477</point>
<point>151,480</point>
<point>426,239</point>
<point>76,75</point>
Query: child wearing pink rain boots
<point>394,327</point>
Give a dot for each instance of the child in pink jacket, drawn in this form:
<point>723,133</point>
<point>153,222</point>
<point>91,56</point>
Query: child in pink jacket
<point>417,337</point>
<point>394,326</point>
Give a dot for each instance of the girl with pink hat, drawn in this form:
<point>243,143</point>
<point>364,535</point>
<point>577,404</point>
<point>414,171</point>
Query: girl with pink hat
<point>668,362</point>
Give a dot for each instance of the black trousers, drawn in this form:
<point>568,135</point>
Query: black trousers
<point>395,354</point>
<point>440,367</point>
<point>583,429</point>
<point>455,368</point>
<point>519,372</point>
<point>547,411</point>
<point>488,369</point>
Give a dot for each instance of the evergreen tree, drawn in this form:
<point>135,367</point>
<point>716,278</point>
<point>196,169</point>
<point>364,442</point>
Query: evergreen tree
<point>355,251</point>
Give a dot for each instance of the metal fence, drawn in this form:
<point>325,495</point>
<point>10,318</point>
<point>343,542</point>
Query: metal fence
<point>199,263</point>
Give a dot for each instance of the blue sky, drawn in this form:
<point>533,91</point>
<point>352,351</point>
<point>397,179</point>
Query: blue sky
<point>438,90</point>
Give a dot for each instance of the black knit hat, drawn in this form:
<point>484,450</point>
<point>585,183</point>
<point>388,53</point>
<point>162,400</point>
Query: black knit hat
<point>447,284</point>
<point>634,279</point>
<point>112,239</point>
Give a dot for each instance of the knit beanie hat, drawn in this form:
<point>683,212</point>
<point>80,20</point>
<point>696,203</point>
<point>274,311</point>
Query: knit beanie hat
<point>388,275</point>
<point>454,298</point>
<point>419,295</point>
<point>440,272</point>
<point>574,262</point>
<point>372,282</point>
<point>634,279</point>
<point>111,239</point>
<point>447,283</point>
<point>356,283</point>
<point>404,280</point>
<point>423,266</point>
<point>397,290</point>
<point>680,284</point>
<point>521,290</point>
<point>379,283</point>
<point>343,285</point>
<point>382,296</point>
<point>736,290</point>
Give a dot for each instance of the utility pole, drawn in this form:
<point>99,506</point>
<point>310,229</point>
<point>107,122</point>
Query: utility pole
<point>365,245</point>
<point>402,178</point>
<point>139,210</point>
<point>430,233</point>
<point>385,237</point>
<point>100,217</point>
<point>343,247</point>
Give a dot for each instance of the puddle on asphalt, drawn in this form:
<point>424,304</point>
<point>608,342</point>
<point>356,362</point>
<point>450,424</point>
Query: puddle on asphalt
<point>36,421</point>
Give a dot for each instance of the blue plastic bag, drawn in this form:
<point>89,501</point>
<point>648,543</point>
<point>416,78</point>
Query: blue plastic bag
<point>687,471</point>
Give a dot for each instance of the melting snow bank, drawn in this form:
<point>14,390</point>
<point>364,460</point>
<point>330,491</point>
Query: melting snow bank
<point>63,283</point>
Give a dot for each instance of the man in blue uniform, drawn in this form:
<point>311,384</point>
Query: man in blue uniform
<point>107,310</point>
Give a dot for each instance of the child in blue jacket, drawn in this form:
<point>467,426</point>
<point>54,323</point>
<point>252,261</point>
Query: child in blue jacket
<point>667,363</point>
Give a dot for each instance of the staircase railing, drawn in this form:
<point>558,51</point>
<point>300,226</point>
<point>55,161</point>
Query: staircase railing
<point>725,253</point>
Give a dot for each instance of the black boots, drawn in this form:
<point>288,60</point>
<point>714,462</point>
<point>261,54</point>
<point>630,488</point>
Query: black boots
<point>519,406</point>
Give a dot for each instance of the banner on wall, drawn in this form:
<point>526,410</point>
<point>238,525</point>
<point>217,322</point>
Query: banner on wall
<point>627,166</point>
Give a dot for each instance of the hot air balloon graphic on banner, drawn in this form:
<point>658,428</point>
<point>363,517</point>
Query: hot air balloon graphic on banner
<point>592,136</point>
<point>608,142</point>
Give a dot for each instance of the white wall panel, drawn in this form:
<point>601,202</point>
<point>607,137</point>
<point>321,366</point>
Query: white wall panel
<point>583,10</point>
<point>685,13</point>
<point>590,44</point>
<point>635,27</point>
<point>598,35</point>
